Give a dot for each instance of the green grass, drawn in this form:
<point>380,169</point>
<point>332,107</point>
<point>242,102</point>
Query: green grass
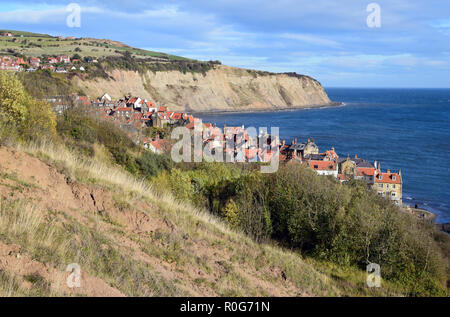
<point>34,44</point>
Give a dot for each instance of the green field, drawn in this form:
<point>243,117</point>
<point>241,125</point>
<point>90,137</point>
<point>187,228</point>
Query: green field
<point>33,44</point>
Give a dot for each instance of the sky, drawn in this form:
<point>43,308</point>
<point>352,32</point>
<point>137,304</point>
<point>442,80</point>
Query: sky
<point>327,39</point>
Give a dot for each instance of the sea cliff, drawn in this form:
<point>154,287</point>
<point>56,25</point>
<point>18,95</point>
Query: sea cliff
<point>223,88</point>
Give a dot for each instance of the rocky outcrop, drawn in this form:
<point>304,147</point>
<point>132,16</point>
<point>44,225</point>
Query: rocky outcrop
<point>221,89</point>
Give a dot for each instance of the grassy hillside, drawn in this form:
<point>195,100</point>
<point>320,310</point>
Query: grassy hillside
<point>33,44</point>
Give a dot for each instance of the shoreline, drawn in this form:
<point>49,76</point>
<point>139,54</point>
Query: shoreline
<point>278,109</point>
<point>429,216</point>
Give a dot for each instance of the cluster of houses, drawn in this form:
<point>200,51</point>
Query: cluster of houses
<point>11,63</point>
<point>386,183</point>
<point>58,64</point>
<point>133,114</point>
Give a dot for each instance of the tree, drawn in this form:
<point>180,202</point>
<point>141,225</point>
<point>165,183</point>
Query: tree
<point>13,99</point>
<point>21,116</point>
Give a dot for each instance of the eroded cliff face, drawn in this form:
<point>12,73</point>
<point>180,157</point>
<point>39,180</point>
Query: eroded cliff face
<point>222,89</point>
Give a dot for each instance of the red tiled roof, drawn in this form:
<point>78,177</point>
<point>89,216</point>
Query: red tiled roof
<point>365,171</point>
<point>388,178</point>
<point>156,145</point>
<point>163,116</point>
<point>322,165</point>
<point>162,109</point>
<point>124,109</point>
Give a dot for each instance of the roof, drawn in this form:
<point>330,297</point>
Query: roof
<point>163,116</point>
<point>322,165</point>
<point>156,145</point>
<point>316,157</point>
<point>365,171</point>
<point>298,146</point>
<point>388,178</point>
<point>124,109</point>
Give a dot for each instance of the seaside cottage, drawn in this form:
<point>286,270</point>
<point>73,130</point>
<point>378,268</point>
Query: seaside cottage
<point>389,185</point>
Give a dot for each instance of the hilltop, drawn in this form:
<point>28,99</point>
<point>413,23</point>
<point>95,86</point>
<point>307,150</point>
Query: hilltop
<point>38,45</point>
<point>181,83</point>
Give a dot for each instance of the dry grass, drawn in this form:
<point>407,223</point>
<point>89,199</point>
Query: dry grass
<point>202,228</point>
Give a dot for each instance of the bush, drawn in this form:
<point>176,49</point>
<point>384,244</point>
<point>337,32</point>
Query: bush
<point>82,131</point>
<point>151,164</point>
<point>347,224</point>
<point>351,225</point>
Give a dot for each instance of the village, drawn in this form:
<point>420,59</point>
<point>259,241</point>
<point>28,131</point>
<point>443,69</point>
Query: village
<point>57,64</point>
<point>138,116</point>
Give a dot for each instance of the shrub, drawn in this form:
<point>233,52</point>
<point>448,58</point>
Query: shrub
<point>82,131</point>
<point>151,164</point>
<point>347,224</point>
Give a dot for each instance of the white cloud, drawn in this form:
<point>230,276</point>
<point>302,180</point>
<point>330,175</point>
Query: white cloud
<point>311,39</point>
<point>40,15</point>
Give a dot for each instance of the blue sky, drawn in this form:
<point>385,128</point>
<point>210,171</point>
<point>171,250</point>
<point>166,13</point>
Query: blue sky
<point>326,39</point>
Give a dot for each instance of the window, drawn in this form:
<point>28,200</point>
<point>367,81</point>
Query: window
<point>393,186</point>
<point>380,185</point>
<point>316,166</point>
<point>393,194</point>
<point>394,177</point>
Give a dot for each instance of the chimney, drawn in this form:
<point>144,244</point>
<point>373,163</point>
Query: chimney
<point>356,156</point>
<point>375,164</point>
<point>283,143</point>
<point>388,170</point>
<point>295,140</point>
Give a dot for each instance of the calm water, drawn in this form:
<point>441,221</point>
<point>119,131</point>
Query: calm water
<point>401,128</point>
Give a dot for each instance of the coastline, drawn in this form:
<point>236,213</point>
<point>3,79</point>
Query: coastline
<point>277,109</point>
<point>423,212</point>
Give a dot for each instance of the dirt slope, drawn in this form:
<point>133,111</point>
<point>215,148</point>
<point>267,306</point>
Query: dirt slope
<point>125,244</point>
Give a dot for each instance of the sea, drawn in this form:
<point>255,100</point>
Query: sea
<point>407,129</point>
